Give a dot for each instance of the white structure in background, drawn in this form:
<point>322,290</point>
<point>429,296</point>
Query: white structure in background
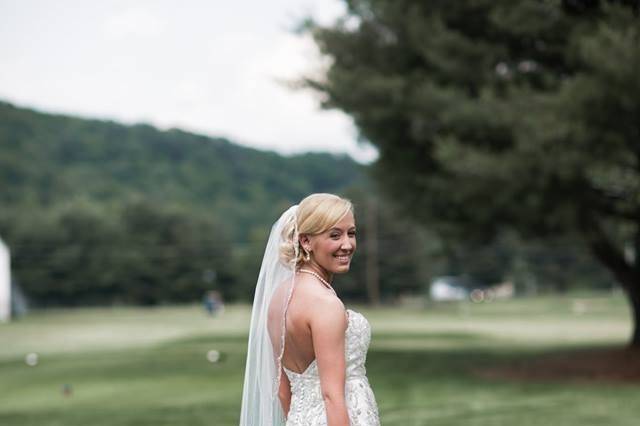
<point>447,288</point>
<point>5,283</point>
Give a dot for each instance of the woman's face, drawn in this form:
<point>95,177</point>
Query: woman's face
<point>333,249</point>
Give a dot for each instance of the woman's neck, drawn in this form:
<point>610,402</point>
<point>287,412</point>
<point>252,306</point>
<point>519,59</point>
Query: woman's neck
<point>312,266</point>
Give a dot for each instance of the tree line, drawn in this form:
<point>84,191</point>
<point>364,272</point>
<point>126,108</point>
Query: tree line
<point>99,213</point>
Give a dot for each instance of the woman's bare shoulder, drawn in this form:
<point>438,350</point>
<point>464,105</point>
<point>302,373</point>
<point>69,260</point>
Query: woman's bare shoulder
<point>317,302</point>
<point>328,309</point>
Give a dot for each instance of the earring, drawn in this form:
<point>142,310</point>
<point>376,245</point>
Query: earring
<point>307,255</point>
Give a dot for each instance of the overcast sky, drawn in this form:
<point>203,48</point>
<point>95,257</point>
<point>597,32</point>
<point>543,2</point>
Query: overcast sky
<point>213,67</point>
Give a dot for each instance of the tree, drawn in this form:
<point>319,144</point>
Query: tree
<point>140,253</point>
<point>491,115</point>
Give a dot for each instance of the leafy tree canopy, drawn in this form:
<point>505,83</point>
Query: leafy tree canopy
<point>495,114</point>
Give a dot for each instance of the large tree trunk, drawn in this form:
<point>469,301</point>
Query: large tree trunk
<point>623,269</point>
<point>634,298</point>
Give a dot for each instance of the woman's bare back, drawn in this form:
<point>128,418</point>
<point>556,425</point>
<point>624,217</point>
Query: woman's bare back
<point>299,350</point>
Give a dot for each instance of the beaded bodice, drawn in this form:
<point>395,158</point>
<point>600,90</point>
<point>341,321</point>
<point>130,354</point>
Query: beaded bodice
<point>307,405</point>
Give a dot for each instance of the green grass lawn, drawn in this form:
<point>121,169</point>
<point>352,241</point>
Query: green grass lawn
<point>136,366</point>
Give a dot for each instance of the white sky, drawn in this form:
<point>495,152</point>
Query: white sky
<point>211,67</point>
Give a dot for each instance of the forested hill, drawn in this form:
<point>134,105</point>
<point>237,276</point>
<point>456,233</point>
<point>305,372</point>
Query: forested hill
<point>48,159</point>
<point>96,212</point>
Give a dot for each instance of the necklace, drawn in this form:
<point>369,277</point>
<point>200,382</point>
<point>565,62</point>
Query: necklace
<point>322,280</point>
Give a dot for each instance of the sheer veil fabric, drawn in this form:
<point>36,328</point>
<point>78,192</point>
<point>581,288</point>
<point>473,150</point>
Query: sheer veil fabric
<point>260,403</point>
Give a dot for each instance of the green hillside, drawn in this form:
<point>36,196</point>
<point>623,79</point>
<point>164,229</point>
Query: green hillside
<point>99,212</point>
<point>47,159</point>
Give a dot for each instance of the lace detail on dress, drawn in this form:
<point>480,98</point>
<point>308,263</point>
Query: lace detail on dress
<point>307,405</point>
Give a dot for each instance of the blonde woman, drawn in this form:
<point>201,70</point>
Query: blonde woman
<point>305,363</point>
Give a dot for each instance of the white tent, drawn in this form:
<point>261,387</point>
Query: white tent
<point>5,283</point>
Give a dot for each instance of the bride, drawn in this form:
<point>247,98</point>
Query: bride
<point>306,356</point>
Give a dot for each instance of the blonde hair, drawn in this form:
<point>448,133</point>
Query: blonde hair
<point>316,214</point>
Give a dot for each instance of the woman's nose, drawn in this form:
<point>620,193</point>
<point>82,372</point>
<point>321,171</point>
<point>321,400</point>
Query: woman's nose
<point>346,244</point>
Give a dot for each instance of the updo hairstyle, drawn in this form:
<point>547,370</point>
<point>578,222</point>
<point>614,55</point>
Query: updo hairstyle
<point>316,214</point>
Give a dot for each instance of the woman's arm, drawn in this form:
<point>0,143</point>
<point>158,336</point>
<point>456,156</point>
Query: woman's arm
<point>328,326</point>
<point>284,393</point>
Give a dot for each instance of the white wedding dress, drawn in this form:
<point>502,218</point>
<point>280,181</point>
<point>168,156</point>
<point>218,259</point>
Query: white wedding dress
<point>307,405</point>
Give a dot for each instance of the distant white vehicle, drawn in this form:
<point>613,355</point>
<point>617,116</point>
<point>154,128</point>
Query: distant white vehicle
<point>448,288</point>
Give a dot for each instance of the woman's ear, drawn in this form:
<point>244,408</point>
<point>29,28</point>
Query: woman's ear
<point>305,241</point>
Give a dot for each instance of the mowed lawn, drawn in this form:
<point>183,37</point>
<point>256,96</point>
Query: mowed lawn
<point>149,366</point>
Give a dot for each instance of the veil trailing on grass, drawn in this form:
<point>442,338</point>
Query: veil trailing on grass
<point>260,403</point>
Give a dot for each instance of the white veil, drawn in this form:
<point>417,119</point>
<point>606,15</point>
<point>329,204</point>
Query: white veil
<point>260,402</point>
